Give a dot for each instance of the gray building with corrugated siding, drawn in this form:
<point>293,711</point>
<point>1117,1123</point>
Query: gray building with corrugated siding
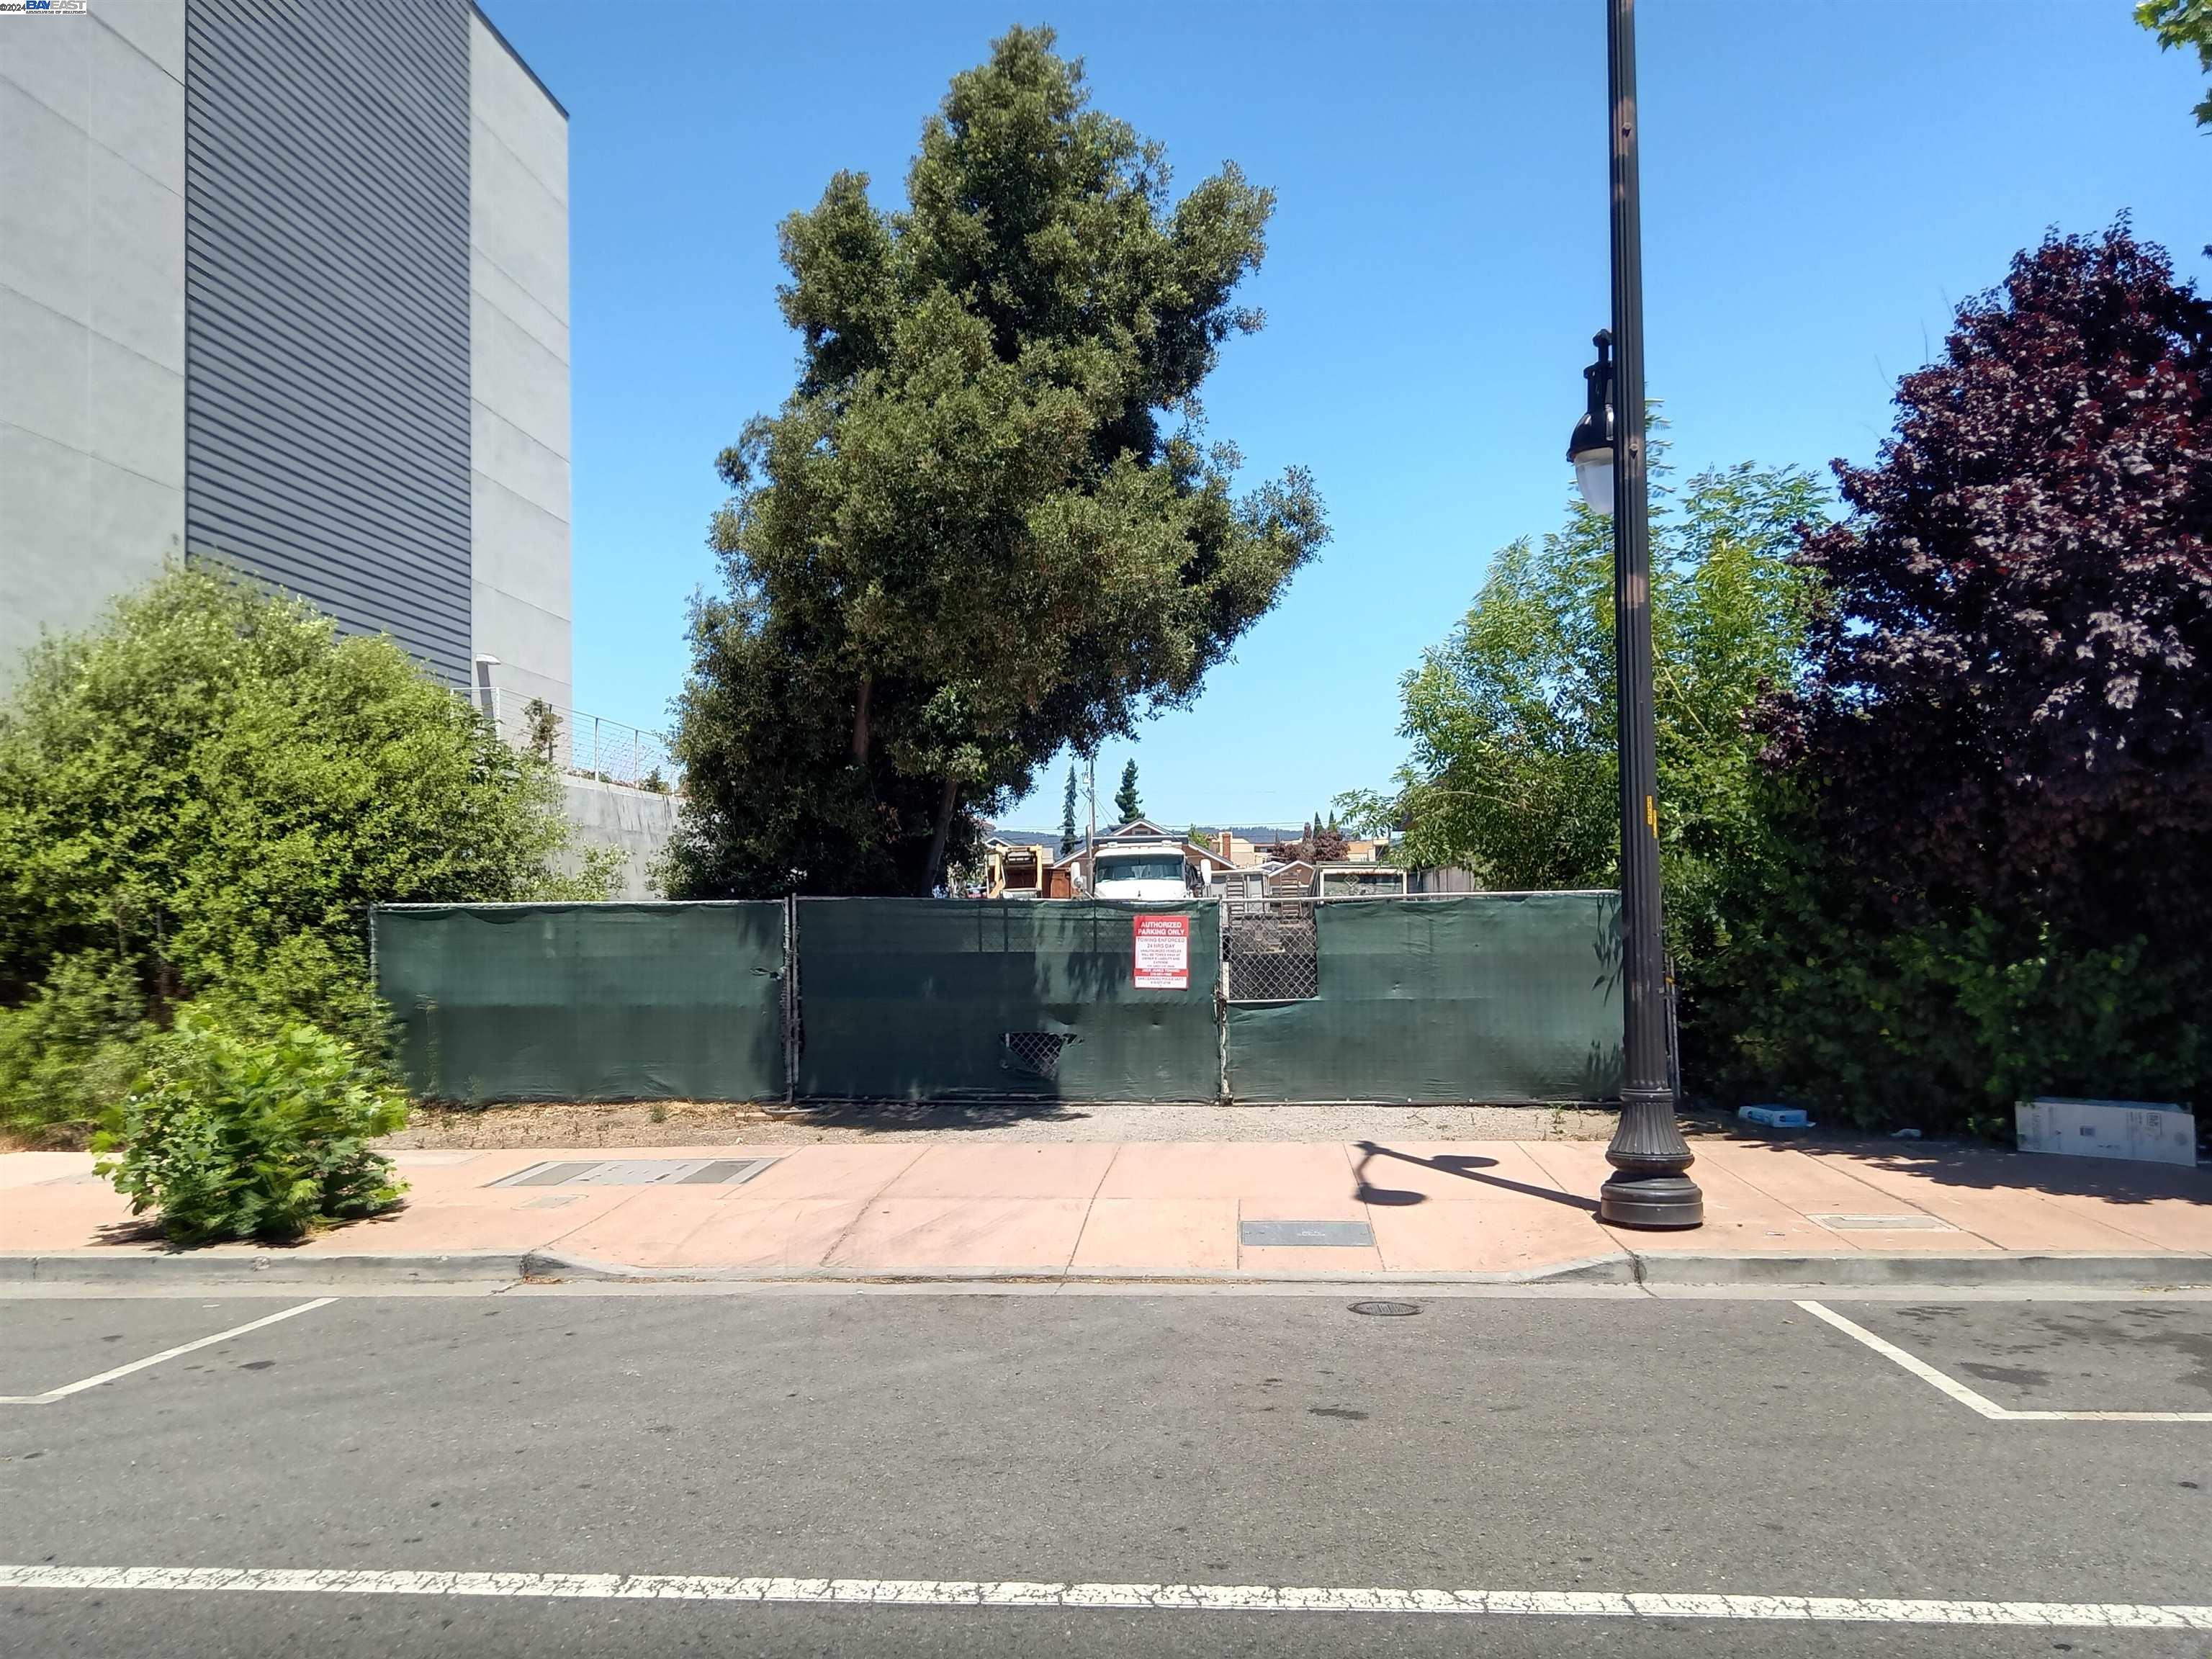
<point>284,284</point>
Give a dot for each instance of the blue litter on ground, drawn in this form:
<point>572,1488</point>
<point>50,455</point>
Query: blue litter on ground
<point>1775,1117</point>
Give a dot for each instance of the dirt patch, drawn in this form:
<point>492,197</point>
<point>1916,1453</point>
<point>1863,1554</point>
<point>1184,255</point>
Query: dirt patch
<point>700,1123</point>
<point>50,1138</point>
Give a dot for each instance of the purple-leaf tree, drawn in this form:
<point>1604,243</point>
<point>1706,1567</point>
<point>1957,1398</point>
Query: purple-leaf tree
<point>2009,700</point>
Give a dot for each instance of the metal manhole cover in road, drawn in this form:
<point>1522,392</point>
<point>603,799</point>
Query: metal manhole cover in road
<point>638,1172</point>
<point>1348,1235</point>
<point>1387,1310</point>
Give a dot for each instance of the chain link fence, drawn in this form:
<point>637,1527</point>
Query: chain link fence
<point>1036,1053</point>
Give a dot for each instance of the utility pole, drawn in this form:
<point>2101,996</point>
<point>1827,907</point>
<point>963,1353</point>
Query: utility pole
<point>1091,840</point>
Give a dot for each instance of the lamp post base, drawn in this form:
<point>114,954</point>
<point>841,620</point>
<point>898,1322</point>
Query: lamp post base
<point>1651,1186</point>
<point>1654,1201</point>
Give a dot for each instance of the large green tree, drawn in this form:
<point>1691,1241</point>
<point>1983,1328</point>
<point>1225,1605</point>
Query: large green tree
<point>1997,783</point>
<point>2185,24</point>
<point>985,523</point>
<point>1513,772</point>
<point>2012,679</point>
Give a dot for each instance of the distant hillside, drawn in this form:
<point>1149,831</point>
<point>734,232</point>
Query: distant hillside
<point>1031,836</point>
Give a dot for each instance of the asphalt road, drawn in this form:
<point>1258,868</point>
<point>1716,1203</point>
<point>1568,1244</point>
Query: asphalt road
<point>1736,1447</point>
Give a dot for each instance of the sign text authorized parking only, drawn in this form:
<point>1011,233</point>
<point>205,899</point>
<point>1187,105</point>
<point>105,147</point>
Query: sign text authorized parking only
<point>1163,953</point>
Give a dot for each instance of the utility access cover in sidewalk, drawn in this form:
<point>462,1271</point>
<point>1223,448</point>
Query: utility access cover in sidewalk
<point>639,1172</point>
<point>1914,1223</point>
<point>1350,1234</point>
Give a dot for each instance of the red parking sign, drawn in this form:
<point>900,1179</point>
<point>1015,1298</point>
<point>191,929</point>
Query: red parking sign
<point>1163,961</point>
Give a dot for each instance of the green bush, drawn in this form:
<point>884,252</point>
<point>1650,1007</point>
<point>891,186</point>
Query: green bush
<point>231,1134</point>
<point>1828,994</point>
<point>203,798</point>
<point>71,1052</point>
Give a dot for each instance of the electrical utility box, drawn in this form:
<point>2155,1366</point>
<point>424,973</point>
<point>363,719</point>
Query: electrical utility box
<point>2135,1129</point>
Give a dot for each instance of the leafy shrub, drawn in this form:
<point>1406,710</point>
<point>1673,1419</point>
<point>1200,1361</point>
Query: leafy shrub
<point>203,798</point>
<point>1828,993</point>
<point>231,1134</point>
<point>71,1051</point>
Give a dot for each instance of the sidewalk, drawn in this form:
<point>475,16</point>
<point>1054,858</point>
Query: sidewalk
<point>1478,1210</point>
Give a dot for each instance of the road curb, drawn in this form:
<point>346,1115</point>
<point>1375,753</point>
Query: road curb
<point>1865,1269</point>
<point>1662,1268</point>
<point>262,1267</point>
<point>546,1267</point>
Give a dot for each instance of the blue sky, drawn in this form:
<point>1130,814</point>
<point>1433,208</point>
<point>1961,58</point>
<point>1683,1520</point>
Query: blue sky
<point>1823,181</point>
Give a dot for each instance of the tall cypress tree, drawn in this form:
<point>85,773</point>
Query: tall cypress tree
<point>1067,814</point>
<point>1126,801</point>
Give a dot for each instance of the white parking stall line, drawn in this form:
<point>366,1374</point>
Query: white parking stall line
<point>1068,1597</point>
<point>1965,1396</point>
<point>67,1390</point>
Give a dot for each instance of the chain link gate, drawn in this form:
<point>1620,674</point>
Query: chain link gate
<point>1270,948</point>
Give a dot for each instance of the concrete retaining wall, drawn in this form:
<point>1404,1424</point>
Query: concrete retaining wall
<point>635,823</point>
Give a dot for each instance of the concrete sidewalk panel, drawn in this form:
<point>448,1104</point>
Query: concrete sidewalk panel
<point>28,1169</point>
<point>2171,1224</point>
<point>68,1216</point>
<point>1449,1172</point>
<point>646,1228</point>
<point>1185,1169</point>
<point>2012,1218</point>
<point>991,1170</point>
<point>782,1234</point>
<point>848,1171</point>
<point>505,1220</point>
<point>1158,1235</point>
<point>1028,1234</point>
<point>1814,1186</point>
<point>1504,1232</point>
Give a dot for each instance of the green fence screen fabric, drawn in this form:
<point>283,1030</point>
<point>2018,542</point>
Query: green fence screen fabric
<point>1493,997</point>
<point>1486,996</point>
<point>925,998</point>
<point>585,1001</point>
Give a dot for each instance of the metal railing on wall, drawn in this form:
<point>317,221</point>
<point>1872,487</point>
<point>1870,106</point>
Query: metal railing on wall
<point>582,744</point>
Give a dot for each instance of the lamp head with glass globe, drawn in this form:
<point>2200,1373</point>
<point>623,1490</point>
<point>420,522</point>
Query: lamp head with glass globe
<point>1591,447</point>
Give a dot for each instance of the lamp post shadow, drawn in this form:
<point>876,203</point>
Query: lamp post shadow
<point>1467,1166</point>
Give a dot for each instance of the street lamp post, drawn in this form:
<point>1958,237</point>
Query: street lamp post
<point>1650,1186</point>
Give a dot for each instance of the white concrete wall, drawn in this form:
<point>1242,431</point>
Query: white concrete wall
<point>519,374</point>
<point>635,823</point>
<point>91,310</point>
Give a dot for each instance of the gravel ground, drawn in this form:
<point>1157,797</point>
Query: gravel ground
<point>690,1124</point>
